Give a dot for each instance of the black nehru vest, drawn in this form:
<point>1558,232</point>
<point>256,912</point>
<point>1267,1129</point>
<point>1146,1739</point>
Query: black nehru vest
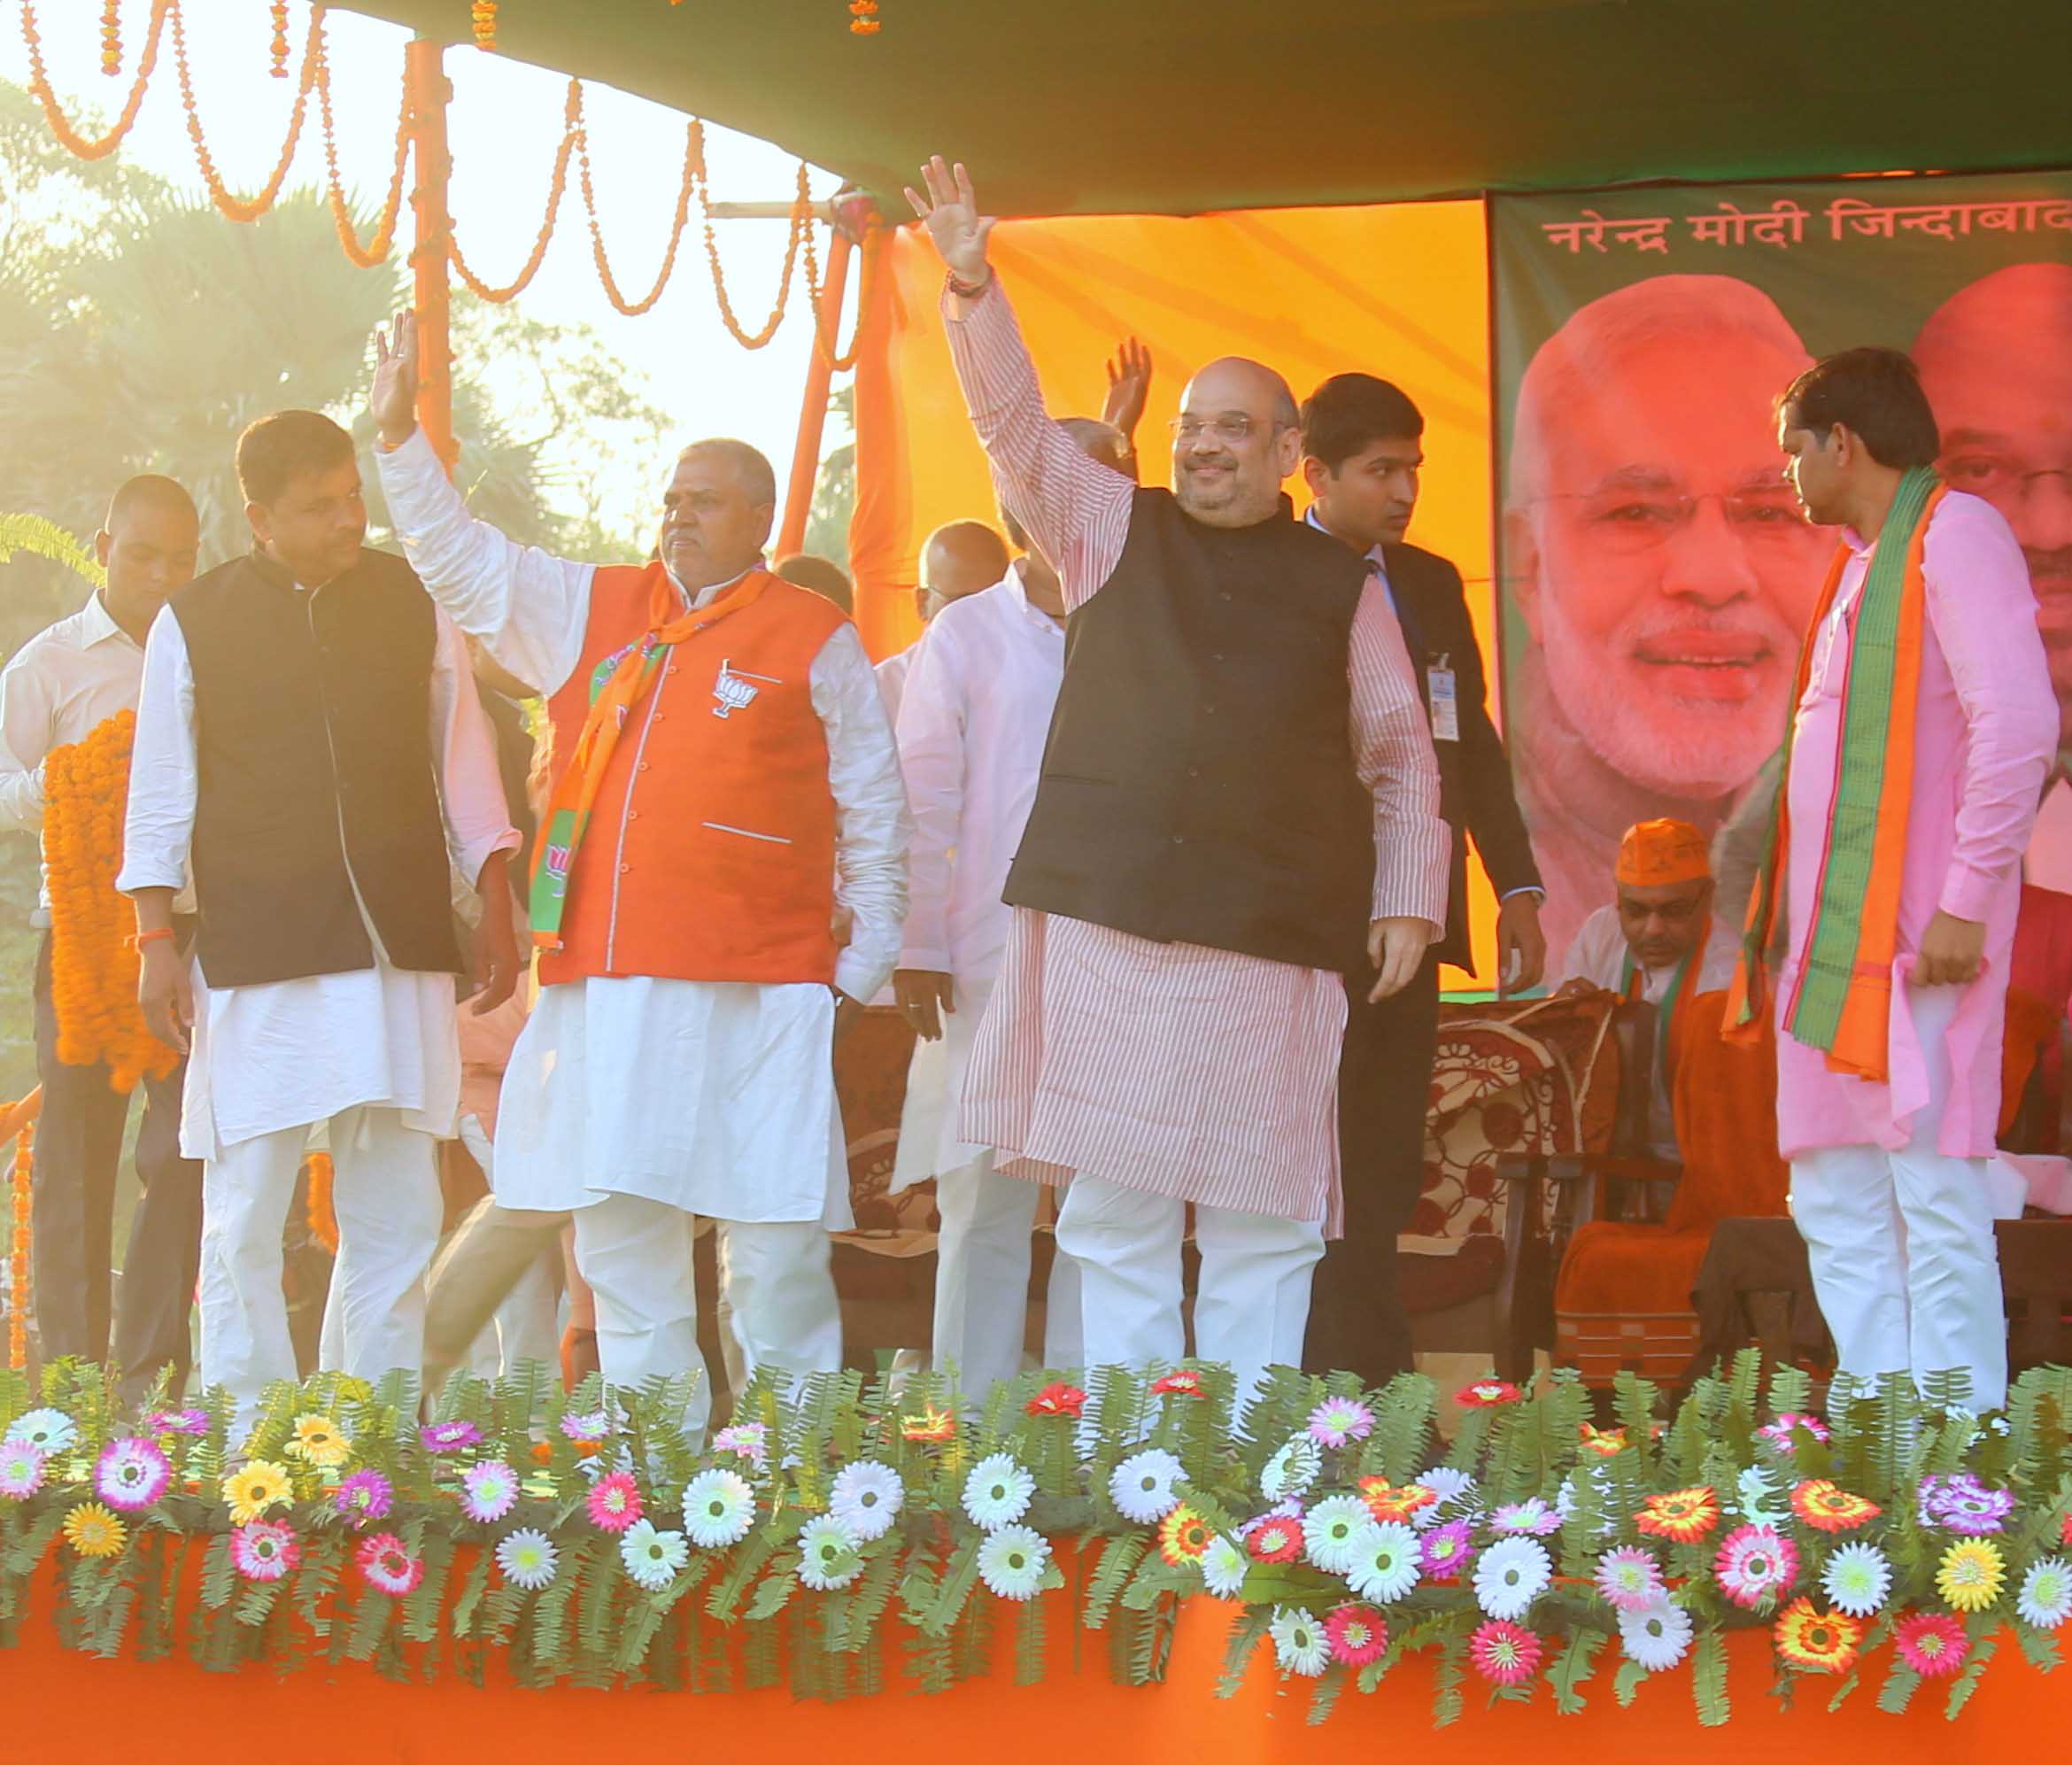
<point>312,714</point>
<point>1198,783</point>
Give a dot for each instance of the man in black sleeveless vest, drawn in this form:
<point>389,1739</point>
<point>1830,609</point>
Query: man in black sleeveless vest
<point>1238,800</point>
<point>310,745</point>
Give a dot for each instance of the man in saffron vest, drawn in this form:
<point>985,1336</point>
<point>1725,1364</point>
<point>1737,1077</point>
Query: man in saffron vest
<point>720,755</point>
<point>1924,724</point>
<point>310,748</point>
<point>1238,798</point>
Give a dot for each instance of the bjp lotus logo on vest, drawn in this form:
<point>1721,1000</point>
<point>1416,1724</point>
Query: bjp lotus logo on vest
<point>736,691</point>
<point>557,862</point>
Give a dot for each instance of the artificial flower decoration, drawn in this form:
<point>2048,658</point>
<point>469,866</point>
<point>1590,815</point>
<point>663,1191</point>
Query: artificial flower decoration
<point>1629,1578</point>
<point>449,1436</point>
<point>1971,1574</point>
<point>2065,1530</point>
<point>866,1497</point>
<point>1447,1549</point>
<point>50,1431</point>
<point>1386,1561</point>
<point>488,1489</point>
<point>1279,1540</point>
<point>1815,1641</point>
<point>528,1559</point>
<point>1932,1643</point>
<point>1785,1431</point>
<point>1511,1574</point>
<point>177,1422</point>
<point>652,1557</point>
<point>596,1425</point>
<point>1828,1507</point>
<point>1338,1421</point>
<point>1300,1644</point>
<point>1759,1501</point>
<point>748,1440</point>
<point>1183,1536</point>
<point>131,1474</point>
<point>1182,1381</point>
<point>829,1559</point>
<point>252,1491</point>
<point>319,1442</point>
<point>264,1549</point>
<point>719,1507</point>
<point>364,1496</point>
<point>1655,1636</point>
<point>1963,1505</point>
<point>1223,1568</point>
<point>1503,1654</point>
<point>1605,1443</point>
<point>1330,1531</point>
<point>1292,1470</point>
<point>2046,1599</point>
<point>1386,1500</point>
<point>998,1492</point>
<point>1357,1635</point>
<point>1059,1400</point>
<point>1449,1487</point>
<point>1683,1516</point>
<point>93,1532</point>
<point>1532,1517</point>
<point>1755,1564</point>
<point>1011,1561</point>
<point>1488,1394</point>
<point>386,1563</point>
<point>21,1469</point>
<point>1857,1579</point>
<point>615,1502</point>
<point>1141,1487</point>
<point>930,1425</point>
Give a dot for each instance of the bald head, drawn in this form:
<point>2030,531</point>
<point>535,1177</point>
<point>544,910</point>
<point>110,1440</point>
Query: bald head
<point>1238,437</point>
<point>959,558</point>
<point>716,512</point>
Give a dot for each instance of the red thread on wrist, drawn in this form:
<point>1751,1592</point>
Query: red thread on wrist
<point>152,936</point>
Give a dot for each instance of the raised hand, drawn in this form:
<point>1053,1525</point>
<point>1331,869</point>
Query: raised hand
<point>1129,384</point>
<point>393,400</point>
<point>951,210</point>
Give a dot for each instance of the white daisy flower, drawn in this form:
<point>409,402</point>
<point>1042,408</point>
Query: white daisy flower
<point>1011,1561</point>
<point>1657,1635</point>
<point>1141,1485</point>
<point>1385,1562</point>
<point>1331,1529</point>
<point>827,1554</point>
<point>997,1492</point>
<point>48,1431</point>
<point>1292,1470</point>
<point>1299,1643</point>
<point>652,1556</point>
<point>1762,1503</point>
<point>1455,1490</point>
<point>1224,1567</point>
<point>866,1497</point>
<point>1856,1580</point>
<point>1511,1574</point>
<point>719,1507</point>
<point>2046,1600</point>
<point>528,1559</point>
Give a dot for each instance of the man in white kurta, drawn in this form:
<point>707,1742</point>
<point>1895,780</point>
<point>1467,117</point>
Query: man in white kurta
<point>638,1100</point>
<point>370,1052</point>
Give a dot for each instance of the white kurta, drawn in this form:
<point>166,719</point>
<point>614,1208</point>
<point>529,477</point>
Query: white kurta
<point>291,1053</point>
<point>715,1097</point>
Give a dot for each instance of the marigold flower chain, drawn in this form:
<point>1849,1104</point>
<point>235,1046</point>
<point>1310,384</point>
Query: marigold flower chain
<point>17,1259</point>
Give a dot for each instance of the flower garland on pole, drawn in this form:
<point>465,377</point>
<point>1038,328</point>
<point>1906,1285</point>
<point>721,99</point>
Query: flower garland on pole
<point>1340,1536</point>
<point>20,1201</point>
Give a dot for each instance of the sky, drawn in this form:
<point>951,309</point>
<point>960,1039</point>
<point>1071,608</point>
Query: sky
<point>504,125</point>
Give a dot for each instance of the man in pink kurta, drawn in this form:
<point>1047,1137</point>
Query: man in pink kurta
<point>1176,1045</point>
<point>1888,1180</point>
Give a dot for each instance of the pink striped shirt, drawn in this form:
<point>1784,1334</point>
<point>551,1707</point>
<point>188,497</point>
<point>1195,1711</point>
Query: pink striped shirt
<point>1200,1075</point>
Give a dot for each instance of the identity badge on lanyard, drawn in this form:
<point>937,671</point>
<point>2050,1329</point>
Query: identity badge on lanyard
<point>1445,704</point>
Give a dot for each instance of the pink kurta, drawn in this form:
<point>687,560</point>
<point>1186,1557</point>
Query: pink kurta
<point>1199,1075</point>
<point>1985,731</point>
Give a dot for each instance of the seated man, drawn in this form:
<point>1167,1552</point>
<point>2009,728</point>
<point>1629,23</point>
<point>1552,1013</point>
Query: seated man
<point>1658,942</point>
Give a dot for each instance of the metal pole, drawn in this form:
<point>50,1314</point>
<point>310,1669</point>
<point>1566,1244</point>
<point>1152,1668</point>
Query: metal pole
<point>812,404</point>
<point>428,88</point>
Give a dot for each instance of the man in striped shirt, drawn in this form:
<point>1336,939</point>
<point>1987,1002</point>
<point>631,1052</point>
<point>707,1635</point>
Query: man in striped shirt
<point>1239,795</point>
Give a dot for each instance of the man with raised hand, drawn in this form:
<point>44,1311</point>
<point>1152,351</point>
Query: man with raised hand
<point>721,759</point>
<point>1197,868</point>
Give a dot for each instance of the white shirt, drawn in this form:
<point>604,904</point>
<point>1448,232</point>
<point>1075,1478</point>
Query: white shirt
<point>291,1053</point>
<point>972,725</point>
<point>892,678</point>
<point>57,689</point>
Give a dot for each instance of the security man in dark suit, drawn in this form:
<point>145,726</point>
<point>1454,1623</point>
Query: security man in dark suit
<point>1363,449</point>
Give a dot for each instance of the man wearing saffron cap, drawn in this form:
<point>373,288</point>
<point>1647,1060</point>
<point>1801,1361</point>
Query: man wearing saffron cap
<point>1925,723</point>
<point>721,762</point>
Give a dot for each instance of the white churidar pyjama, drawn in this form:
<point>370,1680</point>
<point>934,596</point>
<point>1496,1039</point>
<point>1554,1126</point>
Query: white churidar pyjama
<point>982,1280</point>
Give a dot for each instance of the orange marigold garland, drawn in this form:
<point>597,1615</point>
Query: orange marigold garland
<point>863,17</point>
<point>93,966</point>
<point>484,13</point>
<point>279,45</point>
<point>112,38</point>
<point>320,1204</point>
<point>18,1262</point>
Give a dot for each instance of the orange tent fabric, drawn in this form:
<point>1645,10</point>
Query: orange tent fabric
<point>1401,291</point>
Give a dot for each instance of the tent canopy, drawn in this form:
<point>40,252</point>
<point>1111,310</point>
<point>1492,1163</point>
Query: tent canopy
<point>1184,107</point>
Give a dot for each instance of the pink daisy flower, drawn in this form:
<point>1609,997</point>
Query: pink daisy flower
<point>1357,1635</point>
<point>1337,1421</point>
<point>1448,1549</point>
<point>388,1566</point>
<point>1278,1541</point>
<point>1629,1578</point>
<point>21,1469</point>
<point>748,1440</point>
<point>264,1549</point>
<point>488,1489</point>
<point>449,1436</point>
<point>1781,1433</point>
<point>177,1422</point>
<point>364,1496</point>
<point>1504,1653</point>
<point>1933,1643</point>
<point>615,1502</point>
<point>1532,1517</point>
<point>1755,1563</point>
<point>131,1474</point>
